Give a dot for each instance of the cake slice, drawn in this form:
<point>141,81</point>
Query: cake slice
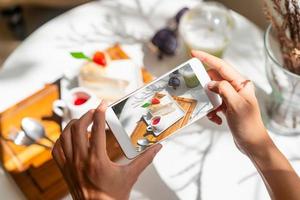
<point>162,109</point>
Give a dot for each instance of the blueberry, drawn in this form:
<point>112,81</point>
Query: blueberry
<point>174,82</point>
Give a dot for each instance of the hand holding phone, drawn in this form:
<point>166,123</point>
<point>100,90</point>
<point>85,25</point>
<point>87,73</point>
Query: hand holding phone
<point>240,105</point>
<point>85,165</point>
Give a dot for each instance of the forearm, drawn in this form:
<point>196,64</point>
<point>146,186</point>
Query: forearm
<point>280,178</point>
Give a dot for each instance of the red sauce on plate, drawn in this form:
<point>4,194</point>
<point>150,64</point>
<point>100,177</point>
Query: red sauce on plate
<point>156,121</point>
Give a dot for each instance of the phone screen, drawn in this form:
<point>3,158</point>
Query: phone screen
<point>163,107</point>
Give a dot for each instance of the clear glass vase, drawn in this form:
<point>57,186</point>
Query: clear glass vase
<point>284,106</point>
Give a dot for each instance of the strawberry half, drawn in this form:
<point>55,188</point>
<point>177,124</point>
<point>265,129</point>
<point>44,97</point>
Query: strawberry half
<point>99,58</point>
<point>155,101</point>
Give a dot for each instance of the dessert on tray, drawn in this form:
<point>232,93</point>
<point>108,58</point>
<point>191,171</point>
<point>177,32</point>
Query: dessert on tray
<point>104,82</point>
<point>160,107</point>
<point>110,75</point>
<point>161,110</point>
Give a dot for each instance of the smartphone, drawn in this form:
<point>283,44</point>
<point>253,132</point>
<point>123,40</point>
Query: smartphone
<point>158,110</point>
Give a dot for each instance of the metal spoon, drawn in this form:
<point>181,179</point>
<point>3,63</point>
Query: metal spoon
<point>144,142</point>
<point>20,138</point>
<point>34,129</point>
<point>140,148</point>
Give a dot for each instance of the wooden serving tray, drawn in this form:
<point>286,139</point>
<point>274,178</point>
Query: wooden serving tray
<point>17,158</point>
<point>32,167</point>
<point>188,105</point>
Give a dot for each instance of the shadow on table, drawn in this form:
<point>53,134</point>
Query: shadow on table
<point>151,186</point>
<point>16,71</point>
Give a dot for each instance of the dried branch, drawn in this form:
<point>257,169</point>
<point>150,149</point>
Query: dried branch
<point>285,18</point>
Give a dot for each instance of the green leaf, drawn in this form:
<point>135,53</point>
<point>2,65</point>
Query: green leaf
<point>80,55</point>
<point>145,105</point>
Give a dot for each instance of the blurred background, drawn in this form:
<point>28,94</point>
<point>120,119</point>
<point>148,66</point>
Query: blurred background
<point>19,18</point>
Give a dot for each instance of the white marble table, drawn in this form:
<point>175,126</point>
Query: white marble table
<point>202,162</point>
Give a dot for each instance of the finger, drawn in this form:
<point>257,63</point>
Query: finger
<point>64,144</point>
<point>142,161</point>
<point>226,91</point>
<point>214,117</point>
<point>58,155</point>
<point>225,70</point>
<point>66,141</point>
<point>79,136</point>
<point>98,135</point>
<point>248,91</point>
<point>214,75</point>
<point>59,158</point>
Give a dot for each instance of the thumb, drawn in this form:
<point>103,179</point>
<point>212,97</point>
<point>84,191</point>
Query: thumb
<point>226,91</point>
<point>142,161</point>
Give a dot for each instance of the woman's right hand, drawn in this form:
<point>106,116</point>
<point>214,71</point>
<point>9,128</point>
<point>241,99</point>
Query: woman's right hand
<point>239,105</point>
<point>242,112</point>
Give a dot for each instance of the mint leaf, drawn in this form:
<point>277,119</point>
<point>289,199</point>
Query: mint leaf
<point>145,105</point>
<point>80,55</point>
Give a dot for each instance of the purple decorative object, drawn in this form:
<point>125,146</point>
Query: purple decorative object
<point>165,39</point>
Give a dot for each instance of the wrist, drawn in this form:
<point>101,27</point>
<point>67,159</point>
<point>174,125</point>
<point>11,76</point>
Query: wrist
<point>264,152</point>
<point>266,155</point>
<point>260,148</point>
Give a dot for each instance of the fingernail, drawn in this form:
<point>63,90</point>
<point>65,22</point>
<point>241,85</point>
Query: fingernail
<point>102,105</point>
<point>211,84</point>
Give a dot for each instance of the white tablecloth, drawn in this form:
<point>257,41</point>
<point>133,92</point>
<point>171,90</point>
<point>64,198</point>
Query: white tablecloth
<point>202,162</point>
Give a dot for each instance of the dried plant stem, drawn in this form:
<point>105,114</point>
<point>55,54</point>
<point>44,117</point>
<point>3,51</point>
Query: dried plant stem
<point>285,18</point>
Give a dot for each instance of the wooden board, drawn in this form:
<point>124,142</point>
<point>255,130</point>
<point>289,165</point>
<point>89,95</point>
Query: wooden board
<point>188,105</point>
<point>32,167</point>
<point>37,106</point>
<point>44,182</point>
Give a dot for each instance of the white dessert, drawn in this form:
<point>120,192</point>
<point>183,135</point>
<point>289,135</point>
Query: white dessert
<point>165,107</point>
<point>162,109</point>
<point>111,82</point>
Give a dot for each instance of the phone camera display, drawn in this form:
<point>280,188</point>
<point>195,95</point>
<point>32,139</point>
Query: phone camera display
<point>163,107</point>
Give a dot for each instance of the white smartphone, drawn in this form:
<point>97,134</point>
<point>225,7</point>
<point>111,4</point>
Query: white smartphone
<point>158,110</point>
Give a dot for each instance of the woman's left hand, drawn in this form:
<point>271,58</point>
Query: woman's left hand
<point>85,165</point>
